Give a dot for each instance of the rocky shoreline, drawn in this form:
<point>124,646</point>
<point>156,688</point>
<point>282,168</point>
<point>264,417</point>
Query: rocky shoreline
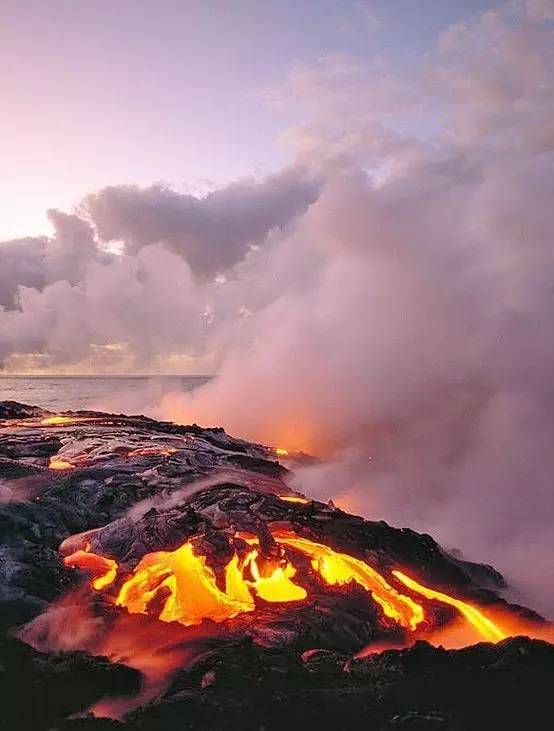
<point>127,487</point>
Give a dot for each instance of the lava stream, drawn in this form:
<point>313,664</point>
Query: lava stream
<point>183,588</point>
<point>180,586</point>
<point>61,419</point>
<point>339,569</point>
<point>56,463</point>
<point>105,568</point>
<point>484,626</point>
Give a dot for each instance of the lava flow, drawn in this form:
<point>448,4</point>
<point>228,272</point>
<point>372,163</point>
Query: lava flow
<point>61,419</point>
<point>340,569</point>
<point>192,591</point>
<point>105,568</point>
<point>484,626</point>
<point>56,463</point>
<point>185,588</point>
<point>180,586</point>
<point>152,452</point>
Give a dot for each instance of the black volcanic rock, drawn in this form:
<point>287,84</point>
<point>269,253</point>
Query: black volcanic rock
<point>37,689</point>
<point>247,688</point>
<point>15,410</point>
<point>45,506</point>
<point>133,486</point>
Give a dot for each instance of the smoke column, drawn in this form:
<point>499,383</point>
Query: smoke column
<point>410,341</point>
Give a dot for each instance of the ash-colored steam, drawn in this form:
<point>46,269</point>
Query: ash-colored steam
<point>391,309</point>
<point>416,349</point>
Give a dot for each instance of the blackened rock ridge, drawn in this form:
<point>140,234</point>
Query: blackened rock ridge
<point>126,486</point>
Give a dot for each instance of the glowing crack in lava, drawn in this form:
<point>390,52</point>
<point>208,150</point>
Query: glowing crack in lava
<point>152,452</point>
<point>179,586</point>
<point>59,419</point>
<point>56,463</point>
<point>80,460</point>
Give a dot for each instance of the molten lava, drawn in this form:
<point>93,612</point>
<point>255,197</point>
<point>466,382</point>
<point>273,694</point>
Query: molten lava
<point>294,499</point>
<point>104,568</point>
<point>281,452</point>
<point>277,585</point>
<point>340,569</point>
<point>59,419</point>
<point>484,626</point>
<point>185,586</point>
<point>56,463</point>
<point>180,586</point>
<point>152,452</point>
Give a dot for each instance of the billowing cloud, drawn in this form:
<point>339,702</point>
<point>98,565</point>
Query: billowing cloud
<point>67,297</point>
<point>37,262</point>
<point>21,264</point>
<point>211,233</point>
<point>417,356</point>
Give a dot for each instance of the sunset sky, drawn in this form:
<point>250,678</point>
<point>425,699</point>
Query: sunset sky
<point>97,92</point>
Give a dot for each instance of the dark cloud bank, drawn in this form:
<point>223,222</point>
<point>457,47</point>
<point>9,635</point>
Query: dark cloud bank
<point>386,301</point>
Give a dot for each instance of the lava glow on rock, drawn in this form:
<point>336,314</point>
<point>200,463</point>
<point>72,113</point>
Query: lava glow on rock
<point>57,463</point>
<point>180,586</point>
<point>484,626</point>
<point>61,419</point>
<point>339,569</point>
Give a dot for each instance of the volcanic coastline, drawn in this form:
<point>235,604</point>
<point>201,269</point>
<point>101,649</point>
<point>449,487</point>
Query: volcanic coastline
<point>161,576</point>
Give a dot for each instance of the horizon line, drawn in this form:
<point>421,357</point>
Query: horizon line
<point>107,375</point>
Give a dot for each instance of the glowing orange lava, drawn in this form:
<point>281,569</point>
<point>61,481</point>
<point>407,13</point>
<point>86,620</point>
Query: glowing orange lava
<point>152,451</point>
<point>56,463</point>
<point>489,631</point>
<point>184,585</point>
<point>180,586</point>
<point>37,422</point>
<point>294,499</point>
<point>339,569</point>
<point>191,591</point>
<point>104,568</point>
<point>277,585</point>
<point>281,452</point>
<point>61,419</point>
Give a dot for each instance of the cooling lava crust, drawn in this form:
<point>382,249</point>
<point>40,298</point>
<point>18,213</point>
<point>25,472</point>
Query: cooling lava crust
<point>163,577</point>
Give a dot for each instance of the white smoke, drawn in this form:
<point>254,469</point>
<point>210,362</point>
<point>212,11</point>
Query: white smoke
<point>416,350</point>
<point>68,297</point>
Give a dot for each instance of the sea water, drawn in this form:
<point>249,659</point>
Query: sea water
<point>131,394</point>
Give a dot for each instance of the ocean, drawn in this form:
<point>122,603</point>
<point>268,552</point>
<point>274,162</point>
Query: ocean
<point>130,394</point>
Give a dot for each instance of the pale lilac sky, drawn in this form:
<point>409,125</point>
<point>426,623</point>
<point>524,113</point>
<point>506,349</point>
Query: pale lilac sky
<point>97,92</point>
